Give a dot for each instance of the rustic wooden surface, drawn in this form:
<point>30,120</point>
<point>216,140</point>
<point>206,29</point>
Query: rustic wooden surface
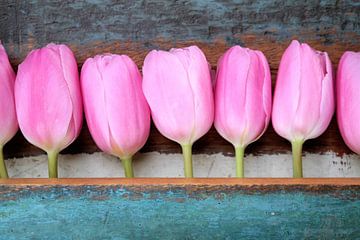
<point>136,27</point>
<point>180,209</point>
<point>318,182</point>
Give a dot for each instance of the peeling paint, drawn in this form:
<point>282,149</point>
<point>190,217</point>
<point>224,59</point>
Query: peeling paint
<point>154,164</point>
<point>168,212</point>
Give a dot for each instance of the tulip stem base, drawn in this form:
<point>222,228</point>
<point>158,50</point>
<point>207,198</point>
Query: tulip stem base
<point>239,155</point>
<point>53,164</point>
<point>128,169</point>
<point>3,171</point>
<point>187,155</point>
<point>297,158</point>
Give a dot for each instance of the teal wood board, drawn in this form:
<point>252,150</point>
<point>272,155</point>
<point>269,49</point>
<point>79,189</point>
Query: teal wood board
<point>173,212</point>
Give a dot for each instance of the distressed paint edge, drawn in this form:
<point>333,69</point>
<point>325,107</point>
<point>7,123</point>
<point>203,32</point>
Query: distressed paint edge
<point>180,182</point>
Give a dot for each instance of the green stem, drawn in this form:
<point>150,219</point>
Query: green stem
<point>187,155</point>
<point>239,155</point>
<point>53,164</point>
<point>297,158</point>
<point>3,171</point>
<point>127,164</point>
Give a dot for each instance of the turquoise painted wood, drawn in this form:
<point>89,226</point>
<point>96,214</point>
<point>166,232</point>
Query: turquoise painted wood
<point>82,22</point>
<point>172,212</point>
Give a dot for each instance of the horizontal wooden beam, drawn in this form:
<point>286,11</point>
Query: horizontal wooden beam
<point>180,181</point>
<point>29,24</point>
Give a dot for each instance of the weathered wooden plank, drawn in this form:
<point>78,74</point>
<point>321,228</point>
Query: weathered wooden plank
<point>179,182</point>
<point>82,22</point>
<point>179,212</point>
<point>135,27</point>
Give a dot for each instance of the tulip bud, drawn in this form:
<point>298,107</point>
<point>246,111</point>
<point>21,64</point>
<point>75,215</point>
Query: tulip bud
<point>8,121</point>
<point>116,111</point>
<point>304,97</point>
<point>48,100</point>
<point>242,99</point>
<point>177,86</point>
<point>348,101</point>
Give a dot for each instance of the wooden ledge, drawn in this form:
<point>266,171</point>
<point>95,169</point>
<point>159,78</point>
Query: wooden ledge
<point>182,181</point>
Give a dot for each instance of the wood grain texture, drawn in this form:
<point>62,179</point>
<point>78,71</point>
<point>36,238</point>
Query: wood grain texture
<point>179,212</point>
<point>18,182</point>
<point>136,27</point>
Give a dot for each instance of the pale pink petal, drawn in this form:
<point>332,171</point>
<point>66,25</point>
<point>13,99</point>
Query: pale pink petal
<point>287,91</point>
<point>348,101</point>
<point>266,89</point>
<point>199,78</point>
<point>243,81</point>
<point>304,97</point>
<point>117,113</point>
<point>170,97</point>
<point>71,76</point>
<point>230,95</point>
<point>93,91</point>
<point>43,102</point>
<point>308,109</point>
<point>256,117</point>
<point>8,120</point>
<point>327,104</point>
<point>128,112</point>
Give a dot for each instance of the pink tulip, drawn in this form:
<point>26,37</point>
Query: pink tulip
<point>304,97</point>
<point>115,108</point>
<point>177,86</point>
<point>8,121</point>
<point>48,100</point>
<point>348,101</point>
<point>242,99</point>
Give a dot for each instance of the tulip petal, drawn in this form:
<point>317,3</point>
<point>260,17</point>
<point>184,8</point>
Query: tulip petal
<point>327,103</point>
<point>115,107</point>
<point>71,76</point>
<point>307,111</point>
<point>243,81</point>
<point>169,95</point>
<point>266,90</point>
<point>308,104</point>
<point>93,91</point>
<point>231,95</point>
<point>266,94</point>
<point>8,120</point>
<point>348,101</point>
<point>287,94</point>
<point>254,111</point>
<point>128,113</point>
<point>43,103</point>
<point>199,78</point>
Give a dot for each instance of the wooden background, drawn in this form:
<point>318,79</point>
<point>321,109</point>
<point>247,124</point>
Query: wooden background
<point>136,27</point>
<point>168,209</point>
